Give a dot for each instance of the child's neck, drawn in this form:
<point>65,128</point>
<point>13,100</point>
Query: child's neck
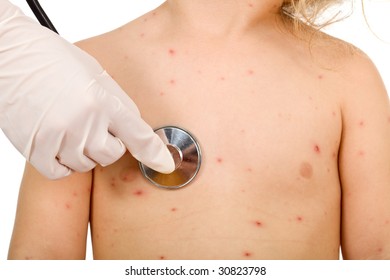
<point>223,17</point>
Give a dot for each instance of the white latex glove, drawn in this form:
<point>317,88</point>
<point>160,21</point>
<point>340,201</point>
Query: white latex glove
<point>60,109</point>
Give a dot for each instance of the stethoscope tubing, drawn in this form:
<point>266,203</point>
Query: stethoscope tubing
<point>41,15</point>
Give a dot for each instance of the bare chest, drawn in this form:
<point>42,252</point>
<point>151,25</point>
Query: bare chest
<point>246,114</point>
<point>269,173</point>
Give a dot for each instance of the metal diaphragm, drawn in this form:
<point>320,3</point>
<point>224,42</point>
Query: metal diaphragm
<point>186,154</point>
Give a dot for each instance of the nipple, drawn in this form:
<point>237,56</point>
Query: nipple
<point>186,155</point>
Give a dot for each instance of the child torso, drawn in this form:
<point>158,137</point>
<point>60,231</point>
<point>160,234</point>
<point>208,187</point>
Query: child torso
<point>269,125</point>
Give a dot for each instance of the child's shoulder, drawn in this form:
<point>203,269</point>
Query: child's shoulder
<point>357,77</point>
<point>343,58</point>
<point>334,50</point>
<point>108,46</point>
<point>98,45</point>
<point>126,38</point>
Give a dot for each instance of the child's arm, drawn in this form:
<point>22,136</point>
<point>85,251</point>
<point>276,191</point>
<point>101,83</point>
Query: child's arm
<point>364,163</point>
<point>52,217</point>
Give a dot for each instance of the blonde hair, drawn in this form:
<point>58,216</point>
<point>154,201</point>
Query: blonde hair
<point>309,12</point>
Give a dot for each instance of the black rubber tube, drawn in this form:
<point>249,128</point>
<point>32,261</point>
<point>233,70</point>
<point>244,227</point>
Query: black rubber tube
<point>41,15</point>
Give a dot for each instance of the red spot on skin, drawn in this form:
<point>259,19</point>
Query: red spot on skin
<point>172,82</point>
<point>361,123</point>
<point>380,250</point>
<point>113,182</point>
<point>250,170</point>
<point>173,209</point>
<point>128,175</point>
<point>258,223</point>
<point>162,93</point>
<point>138,193</point>
<point>334,114</point>
<point>219,160</point>
<point>306,170</point>
<point>250,72</point>
<point>361,153</point>
<point>299,218</point>
<point>222,78</point>
<point>247,254</point>
<point>317,149</point>
<point>320,77</point>
<point>334,155</point>
<point>142,35</point>
<point>68,205</point>
<point>162,257</point>
<point>75,194</point>
<point>171,52</point>
<point>250,5</point>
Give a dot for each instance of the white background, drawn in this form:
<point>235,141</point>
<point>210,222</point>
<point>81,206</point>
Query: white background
<point>79,19</point>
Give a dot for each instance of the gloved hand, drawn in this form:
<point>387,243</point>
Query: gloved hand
<point>60,109</point>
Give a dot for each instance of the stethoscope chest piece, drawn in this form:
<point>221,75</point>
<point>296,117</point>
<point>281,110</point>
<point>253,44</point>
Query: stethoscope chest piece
<point>186,153</point>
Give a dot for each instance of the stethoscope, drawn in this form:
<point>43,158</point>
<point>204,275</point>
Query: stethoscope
<point>40,14</point>
<point>183,147</point>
